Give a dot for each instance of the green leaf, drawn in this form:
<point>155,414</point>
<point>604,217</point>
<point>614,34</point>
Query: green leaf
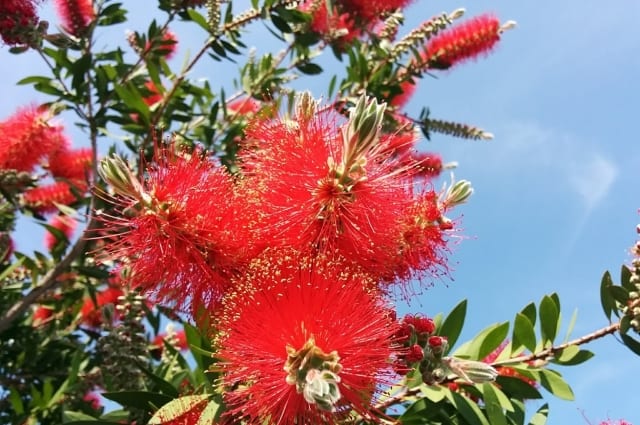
<point>549,319</point>
<point>540,418</point>
<point>572,355</point>
<point>209,414</point>
<point>164,386</point>
<point>485,342</point>
<point>452,325</point>
<point>553,382</point>
<point>198,19</point>
<point>517,388</point>
<point>309,68</point>
<point>492,405</point>
<point>619,293</point>
<point>530,311</point>
<point>518,414</point>
<point>468,409</point>
<point>606,299</point>
<point>435,393</point>
<point>631,343</point>
<point>139,399</point>
<point>176,408</point>
<point>70,416</point>
<point>523,333</point>
<point>572,324</point>
<point>281,24</point>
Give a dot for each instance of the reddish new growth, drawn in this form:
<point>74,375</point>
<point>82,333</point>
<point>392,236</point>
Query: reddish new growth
<point>296,350</point>
<point>91,313</point>
<point>18,21</point>
<point>76,15</point>
<point>318,190</point>
<point>28,131</point>
<point>65,224</point>
<point>154,96</point>
<point>182,232</point>
<point>466,41</point>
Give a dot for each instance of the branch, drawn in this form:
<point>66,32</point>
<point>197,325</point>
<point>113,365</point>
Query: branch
<point>542,355</point>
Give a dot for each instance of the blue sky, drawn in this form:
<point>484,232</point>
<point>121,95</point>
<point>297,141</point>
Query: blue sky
<point>557,194</point>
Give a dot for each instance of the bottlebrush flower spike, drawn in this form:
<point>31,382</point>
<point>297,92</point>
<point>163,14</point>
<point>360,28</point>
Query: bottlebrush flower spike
<point>71,164</point>
<point>65,224</point>
<point>295,351</point>
<point>331,26</point>
<point>166,45</point>
<point>328,190</point>
<point>18,21</point>
<point>91,313</point>
<point>28,130</point>
<point>76,15</point>
<point>181,232</point>
<point>463,42</point>
<point>370,10</point>
<point>44,198</point>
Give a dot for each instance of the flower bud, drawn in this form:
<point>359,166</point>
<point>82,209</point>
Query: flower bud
<point>471,371</point>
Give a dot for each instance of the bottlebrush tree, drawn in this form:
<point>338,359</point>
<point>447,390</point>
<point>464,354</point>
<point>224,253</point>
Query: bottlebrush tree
<point>272,233</point>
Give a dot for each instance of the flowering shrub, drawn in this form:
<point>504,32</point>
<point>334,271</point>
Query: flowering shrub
<point>276,229</point>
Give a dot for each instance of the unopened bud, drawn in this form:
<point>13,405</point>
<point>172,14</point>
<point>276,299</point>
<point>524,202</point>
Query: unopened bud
<point>457,14</point>
<point>458,193</point>
<point>471,371</point>
<point>363,129</point>
<point>306,107</point>
<point>116,172</point>
<point>507,26</point>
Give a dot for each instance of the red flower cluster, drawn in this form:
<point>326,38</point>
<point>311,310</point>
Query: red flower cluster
<point>18,20</point>
<point>323,216</point>
<point>76,15</point>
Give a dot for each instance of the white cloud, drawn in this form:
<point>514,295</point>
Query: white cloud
<point>592,178</point>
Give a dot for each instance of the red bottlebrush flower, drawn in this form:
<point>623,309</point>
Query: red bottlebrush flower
<point>309,199</point>
<point>71,164</point>
<point>287,336</point>
<point>401,99</point>
<point>154,96</point>
<point>184,233</point>
<point>400,143</point>
<point>42,315</point>
<point>427,164</point>
<point>166,46</point>
<point>43,199</point>
<point>332,26</point>
<point>27,130</point>
<point>91,313</point>
<point>177,339</point>
<point>18,21</point>
<point>423,245</point>
<point>65,224</point>
<point>76,15</point>
<point>370,10</point>
<point>463,42</point>
<point>244,106</point>
<point>93,400</point>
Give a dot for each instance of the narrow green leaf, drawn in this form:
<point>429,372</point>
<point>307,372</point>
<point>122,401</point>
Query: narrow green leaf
<point>517,416</point>
<point>631,343</point>
<point>549,319</point>
<point>485,342</point>
<point>434,393</point>
<point>517,388</point>
<point>452,325</point>
<point>531,313</point>
<point>71,416</point>
<point>468,409</point>
<point>309,68</point>
<point>553,382</point>
<point>619,293</point>
<point>492,406</point>
<point>540,418</point>
<point>198,19</point>
<point>164,386</point>
<point>572,324</point>
<point>209,414</point>
<point>606,299</point>
<point>523,333</point>
<point>139,399</point>
<point>572,356</point>
<point>177,408</point>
